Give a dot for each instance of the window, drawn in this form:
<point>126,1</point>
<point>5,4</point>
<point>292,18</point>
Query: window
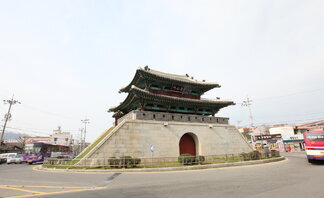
<point>156,87</point>
<point>167,88</point>
<point>153,116</point>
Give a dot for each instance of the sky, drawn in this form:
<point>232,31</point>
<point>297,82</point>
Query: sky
<point>66,60</point>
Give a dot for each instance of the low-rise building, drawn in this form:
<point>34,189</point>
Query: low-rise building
<point>291,139</point>
<point>61,138</point>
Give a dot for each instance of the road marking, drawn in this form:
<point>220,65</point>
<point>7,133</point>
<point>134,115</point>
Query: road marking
<point>18,189</point>
<point>26,186</point>
<point>38,193</point>
<point>53,193</point>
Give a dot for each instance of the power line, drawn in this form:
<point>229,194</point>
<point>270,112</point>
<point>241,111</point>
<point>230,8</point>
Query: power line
<point>289,94</point>
<point>289,121</point>
<point>48,112</point>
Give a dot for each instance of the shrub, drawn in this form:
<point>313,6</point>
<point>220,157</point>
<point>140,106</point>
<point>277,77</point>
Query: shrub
<point>188,159</point>
<point>245,156</point>
<point>200,159</point>
<point>274,153</point>
<point>113,162</point>
<point>255,155</point>
<point>124,162</point>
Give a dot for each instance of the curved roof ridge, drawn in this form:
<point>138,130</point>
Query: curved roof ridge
<point>149,73</point>
<point>184,77</point>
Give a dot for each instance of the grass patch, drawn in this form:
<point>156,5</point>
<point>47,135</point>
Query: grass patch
<point>214,160</point>
<point>91,146</point>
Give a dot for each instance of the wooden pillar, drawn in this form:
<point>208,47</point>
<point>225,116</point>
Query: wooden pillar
<point>116,121</point>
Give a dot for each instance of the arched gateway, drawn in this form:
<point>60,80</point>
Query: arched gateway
<point>187,144</point>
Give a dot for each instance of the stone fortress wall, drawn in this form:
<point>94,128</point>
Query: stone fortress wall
<point>137,131</point>
<point>163,116</point>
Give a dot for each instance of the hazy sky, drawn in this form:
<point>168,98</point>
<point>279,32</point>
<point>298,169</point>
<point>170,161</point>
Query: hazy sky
<point>65,60</point>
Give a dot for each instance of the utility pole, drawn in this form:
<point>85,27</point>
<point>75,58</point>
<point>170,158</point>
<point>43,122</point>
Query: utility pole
<point>85,122</point>
<point>247,103</point>
<point>81,139</point>
<point>7,116</point>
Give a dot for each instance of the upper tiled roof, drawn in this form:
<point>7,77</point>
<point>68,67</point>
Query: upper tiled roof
<point>147,73</point>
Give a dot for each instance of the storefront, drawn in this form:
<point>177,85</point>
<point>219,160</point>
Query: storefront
<point>294,145</point>
<point>274,142</point>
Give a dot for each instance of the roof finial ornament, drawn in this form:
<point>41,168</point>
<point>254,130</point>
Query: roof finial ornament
<point>187,75</point>
<point>147,68</point>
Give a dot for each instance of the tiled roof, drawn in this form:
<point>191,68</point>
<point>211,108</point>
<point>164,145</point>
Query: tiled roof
<point>136,92</point>
<point>151,74</point>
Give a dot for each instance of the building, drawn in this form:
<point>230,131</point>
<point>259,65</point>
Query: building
<point>317,125</point>
<point>61,138</point>
<point>166,112</point>
<point>12,147</point>
<point>31,140</point>
<point>292,140</point>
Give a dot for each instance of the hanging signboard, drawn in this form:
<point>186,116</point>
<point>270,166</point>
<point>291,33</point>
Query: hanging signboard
<point>267,137</point>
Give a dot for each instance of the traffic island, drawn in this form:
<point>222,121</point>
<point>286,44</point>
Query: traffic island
<point>158,169</point>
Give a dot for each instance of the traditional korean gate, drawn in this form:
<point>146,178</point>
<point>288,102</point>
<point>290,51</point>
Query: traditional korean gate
<point>187,145</point>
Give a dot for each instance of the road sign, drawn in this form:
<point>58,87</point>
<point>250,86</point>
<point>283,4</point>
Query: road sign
<point>152,148</point>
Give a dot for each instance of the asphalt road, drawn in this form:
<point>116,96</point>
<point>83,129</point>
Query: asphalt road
<point>294,177</point>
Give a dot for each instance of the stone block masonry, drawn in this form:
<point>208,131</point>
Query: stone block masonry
<point>139,131</point>
<point>173,117</point>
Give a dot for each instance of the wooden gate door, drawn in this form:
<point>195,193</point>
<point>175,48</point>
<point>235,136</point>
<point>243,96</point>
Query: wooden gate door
<point>187,145</point>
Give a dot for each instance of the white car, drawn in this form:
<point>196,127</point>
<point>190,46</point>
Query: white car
<point>6,156</point>
<point>16,159</point>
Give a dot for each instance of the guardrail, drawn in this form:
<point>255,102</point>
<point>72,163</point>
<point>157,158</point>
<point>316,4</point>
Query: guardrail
<point>130,162</point>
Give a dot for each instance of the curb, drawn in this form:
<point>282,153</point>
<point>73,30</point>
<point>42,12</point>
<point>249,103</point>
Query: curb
<point>181,168</point>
